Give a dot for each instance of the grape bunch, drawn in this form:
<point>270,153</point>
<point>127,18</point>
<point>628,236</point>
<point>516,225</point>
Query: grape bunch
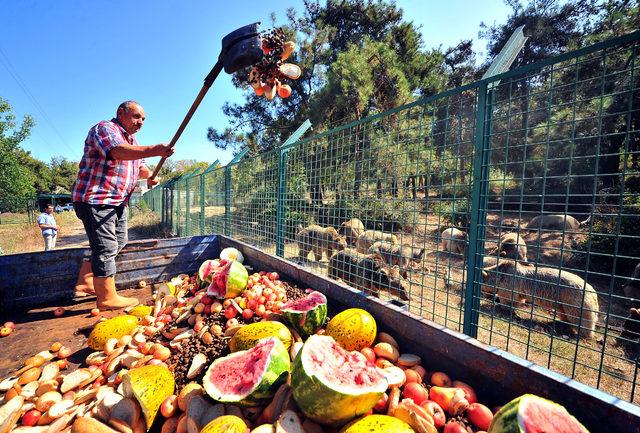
<point>268,76</point>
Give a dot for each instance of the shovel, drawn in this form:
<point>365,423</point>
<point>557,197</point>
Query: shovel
<point>240,48</point>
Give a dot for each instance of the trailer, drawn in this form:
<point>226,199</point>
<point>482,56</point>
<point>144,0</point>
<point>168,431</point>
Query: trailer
<point>32,280</point>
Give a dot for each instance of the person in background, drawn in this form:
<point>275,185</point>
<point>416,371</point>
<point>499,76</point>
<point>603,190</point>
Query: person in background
<point>47,224</point>
<point>108,173</point>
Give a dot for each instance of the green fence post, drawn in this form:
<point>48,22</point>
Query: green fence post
<point>227,200</point>
<point>282,193</point>
<point>475,251</point>
<point>282,185</point>
<point>187,205</point>
<point>178,212</point>
<point>203,176</point>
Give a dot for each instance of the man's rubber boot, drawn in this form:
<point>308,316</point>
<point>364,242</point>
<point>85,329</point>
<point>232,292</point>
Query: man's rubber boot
<point>84,285</point>
<point>107,297</point>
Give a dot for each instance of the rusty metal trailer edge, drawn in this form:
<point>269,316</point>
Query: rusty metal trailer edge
<point>496,375</point>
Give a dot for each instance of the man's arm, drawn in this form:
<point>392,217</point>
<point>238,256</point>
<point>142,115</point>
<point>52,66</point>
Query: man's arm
<point>127,152</point>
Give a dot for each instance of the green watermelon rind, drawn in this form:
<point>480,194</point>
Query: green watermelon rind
<point>276,373</point>
<point>313,320</point>
<point>237,279</point>
<point>322,403</point>
<point>509,418</point>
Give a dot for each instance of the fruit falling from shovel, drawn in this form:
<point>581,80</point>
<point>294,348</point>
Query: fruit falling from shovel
<point>268,76</point>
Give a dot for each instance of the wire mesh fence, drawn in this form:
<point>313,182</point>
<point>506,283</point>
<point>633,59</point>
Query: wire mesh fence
<point>506,209</point>
<point>18,210</point>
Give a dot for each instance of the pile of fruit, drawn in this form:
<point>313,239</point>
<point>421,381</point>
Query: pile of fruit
<point>268,77</point>
<point>225,351</point>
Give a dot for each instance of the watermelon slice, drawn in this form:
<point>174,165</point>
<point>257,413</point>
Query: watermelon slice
<point>205,271</point>
<point>532,414</point>
<point>249,377</point>
<point>308,314</point>
<point>228,279</point>
<point>333,386</point>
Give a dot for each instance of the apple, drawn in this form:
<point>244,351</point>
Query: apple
<point>5,330</point>
<point>58,312</point>
<point>9,325</point>
<point>95,311</point>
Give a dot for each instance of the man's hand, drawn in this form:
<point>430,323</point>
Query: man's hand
<point>163,150</point>
<point>152,182</point>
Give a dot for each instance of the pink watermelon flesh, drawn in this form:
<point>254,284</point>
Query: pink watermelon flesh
<point>332,364</point>
<point>230,379</point>
<point>218,286</point>
<point>539,416</point>
<point>309,302</point>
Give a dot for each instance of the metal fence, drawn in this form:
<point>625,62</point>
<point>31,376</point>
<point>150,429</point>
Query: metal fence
<point>532,175</point>
<point>18,210</point>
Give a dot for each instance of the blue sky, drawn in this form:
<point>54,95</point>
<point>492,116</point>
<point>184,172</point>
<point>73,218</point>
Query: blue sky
<point>69,63</point>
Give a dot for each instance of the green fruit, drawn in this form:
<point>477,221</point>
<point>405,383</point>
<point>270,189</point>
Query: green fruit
<point>225,424</point>
<point>378,424</point>
<point>532,414</point>
<point>115,327</point>
<point>333,386</point>
<point>150,385</point>
<point>228,280</point>
<point>140,311</point>
<point>353,329</point>
<point>249,377</point>
<point>249,335</point>
<point>308,314</point>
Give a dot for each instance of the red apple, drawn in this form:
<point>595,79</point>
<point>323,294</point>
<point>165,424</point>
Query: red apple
<point>416,392</point>
<point>95,311</point>
<point>470,394</point>
<point>4,331</point>
<point>31,418</point>
<point>480,416</point>
<point>454,427</point>
<point>58,312</point>
<point>436,412</point>
<point>9,325</point>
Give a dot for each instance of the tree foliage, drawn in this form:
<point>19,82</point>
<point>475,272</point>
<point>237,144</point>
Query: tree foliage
<point>15,179</point>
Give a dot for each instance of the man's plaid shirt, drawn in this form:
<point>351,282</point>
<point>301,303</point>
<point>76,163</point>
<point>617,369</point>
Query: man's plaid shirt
<point>101,179</point>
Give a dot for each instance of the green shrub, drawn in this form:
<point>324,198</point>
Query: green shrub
<point>454,212</point>
<point>604,239</point>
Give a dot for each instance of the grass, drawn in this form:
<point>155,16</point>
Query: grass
<point>145,224</point>
<point>26,237</point>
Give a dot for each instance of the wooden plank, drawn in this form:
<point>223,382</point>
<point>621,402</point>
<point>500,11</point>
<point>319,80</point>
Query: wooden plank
<point>495,374</point>
<point>31,279</point>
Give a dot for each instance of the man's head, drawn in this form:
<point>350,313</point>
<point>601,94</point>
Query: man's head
<point>131,116</point>
<point>48,208</point>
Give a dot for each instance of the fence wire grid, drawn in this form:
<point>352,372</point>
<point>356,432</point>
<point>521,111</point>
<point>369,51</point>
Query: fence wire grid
<point>506,209</point>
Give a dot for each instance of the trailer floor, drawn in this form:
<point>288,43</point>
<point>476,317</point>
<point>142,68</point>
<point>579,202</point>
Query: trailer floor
<point>37,329</point>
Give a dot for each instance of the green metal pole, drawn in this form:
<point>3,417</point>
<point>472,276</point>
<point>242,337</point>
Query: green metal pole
<point>475,252</point>
<point>202,176</point>
<point>227,200</point>
<point>282,196</point>
<point>187,191</point>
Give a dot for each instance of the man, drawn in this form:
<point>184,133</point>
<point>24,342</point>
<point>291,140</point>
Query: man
<point>47,224</point>
<point>109,170</point>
